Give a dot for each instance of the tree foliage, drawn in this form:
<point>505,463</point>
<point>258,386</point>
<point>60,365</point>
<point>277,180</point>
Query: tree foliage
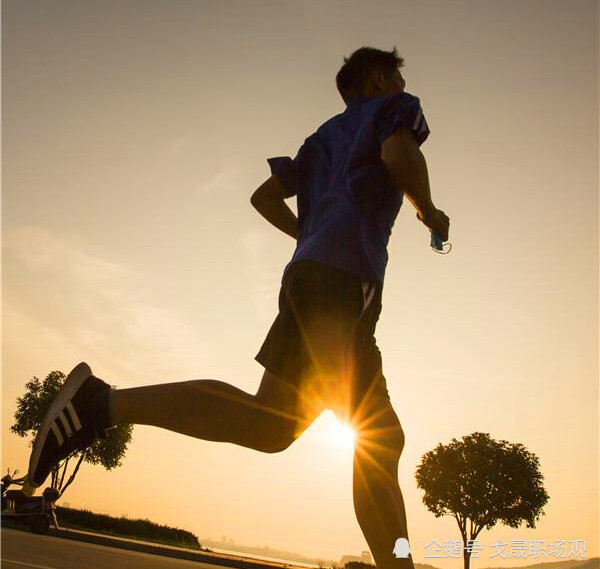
<point>137,528</point>
<point>484,482</point>
<point>31,408</point>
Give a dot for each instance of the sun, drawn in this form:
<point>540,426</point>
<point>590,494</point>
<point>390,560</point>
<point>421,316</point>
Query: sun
<point>341,435</point>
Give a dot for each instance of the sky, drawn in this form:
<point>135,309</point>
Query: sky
<point>133,134</point>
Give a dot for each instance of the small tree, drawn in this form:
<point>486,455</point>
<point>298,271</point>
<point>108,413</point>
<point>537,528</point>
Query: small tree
<point>482,481</point>
<point>31,408</point>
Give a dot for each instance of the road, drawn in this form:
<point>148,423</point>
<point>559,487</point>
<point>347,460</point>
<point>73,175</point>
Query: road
<point>25,550</point>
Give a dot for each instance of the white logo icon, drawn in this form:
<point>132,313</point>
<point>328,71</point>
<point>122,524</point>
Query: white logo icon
<point>401,549</point>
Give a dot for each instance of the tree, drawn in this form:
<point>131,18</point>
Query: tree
<point>482,481</point>
<point>31,408</point>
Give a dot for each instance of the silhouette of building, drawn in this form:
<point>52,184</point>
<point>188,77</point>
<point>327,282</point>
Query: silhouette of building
<point>365,557</point>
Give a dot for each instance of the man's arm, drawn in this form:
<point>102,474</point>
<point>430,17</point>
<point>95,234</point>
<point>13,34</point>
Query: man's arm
<point>408,169</point>
<point>269,201</point>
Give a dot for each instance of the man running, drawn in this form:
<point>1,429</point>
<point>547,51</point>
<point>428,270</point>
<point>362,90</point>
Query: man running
<point>349,178</point>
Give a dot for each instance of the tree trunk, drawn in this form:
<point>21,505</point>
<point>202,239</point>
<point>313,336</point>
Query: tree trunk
<point>59,486</point>
<point>72,477</point>
<point>466,556</point>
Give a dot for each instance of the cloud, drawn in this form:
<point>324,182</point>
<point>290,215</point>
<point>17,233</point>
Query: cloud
<point>181,143</point>
<point>224,180</point>
<point>263,276</point>
<point>58,289</point>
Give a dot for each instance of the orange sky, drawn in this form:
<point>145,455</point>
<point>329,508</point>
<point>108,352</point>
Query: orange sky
<point>133,135</point>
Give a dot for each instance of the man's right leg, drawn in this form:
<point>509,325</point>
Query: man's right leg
<point>216,411</point>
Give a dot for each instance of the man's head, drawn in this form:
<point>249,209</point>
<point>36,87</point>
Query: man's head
<point>370,72</point>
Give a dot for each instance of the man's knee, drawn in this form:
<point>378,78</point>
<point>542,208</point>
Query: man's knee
<point>383,436</point>
<point>387,441</point>
<point>282,434</point>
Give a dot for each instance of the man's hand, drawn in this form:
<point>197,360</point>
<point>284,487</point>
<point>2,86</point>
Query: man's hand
<point>407,166</point>
<point>437,221</point>
<point>269,201</point>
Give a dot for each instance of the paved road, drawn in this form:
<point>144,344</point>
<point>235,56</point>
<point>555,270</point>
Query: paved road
<point>25,550</point>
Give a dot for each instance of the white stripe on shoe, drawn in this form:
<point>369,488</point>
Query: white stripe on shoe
<point>73,415</point>
<point>57,434</point>
<point>65,424</point>
<point>74,380</point>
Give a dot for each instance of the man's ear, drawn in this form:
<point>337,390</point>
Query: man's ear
<point>378,80</point>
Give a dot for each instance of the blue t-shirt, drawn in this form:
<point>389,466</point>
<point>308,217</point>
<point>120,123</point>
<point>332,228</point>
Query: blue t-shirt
<point>347,202</point>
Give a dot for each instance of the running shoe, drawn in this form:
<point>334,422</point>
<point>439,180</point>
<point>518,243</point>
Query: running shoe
<point>76,417</point>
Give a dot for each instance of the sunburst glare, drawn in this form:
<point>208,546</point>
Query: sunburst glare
<point>339,434</point>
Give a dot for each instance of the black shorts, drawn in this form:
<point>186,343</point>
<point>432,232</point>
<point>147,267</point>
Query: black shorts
<point>322,341</point>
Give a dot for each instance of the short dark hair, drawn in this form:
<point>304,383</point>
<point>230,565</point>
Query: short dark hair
<point>352,78</point>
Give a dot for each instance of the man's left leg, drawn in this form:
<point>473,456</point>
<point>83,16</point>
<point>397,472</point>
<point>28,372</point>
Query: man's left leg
<point>213,410</point>
<point>207,409</point>
<point>378,501</point>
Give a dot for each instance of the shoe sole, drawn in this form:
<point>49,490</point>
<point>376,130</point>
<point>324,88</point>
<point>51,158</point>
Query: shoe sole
<point>73,382</point>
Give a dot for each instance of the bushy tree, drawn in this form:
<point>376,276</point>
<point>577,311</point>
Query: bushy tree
<point>484,482</point>
<point>31,408</point>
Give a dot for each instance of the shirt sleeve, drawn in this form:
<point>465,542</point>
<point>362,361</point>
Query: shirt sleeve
<point>284,168</point>
<point>403,109</point>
